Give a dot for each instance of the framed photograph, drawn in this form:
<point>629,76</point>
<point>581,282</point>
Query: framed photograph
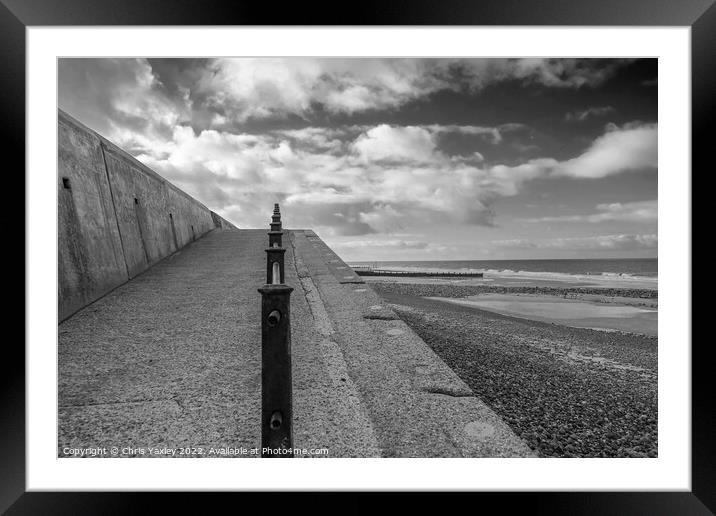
<point>421,243</point>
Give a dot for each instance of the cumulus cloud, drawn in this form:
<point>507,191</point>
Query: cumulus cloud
<point>642,211</point>
<point>396,144</point>
<point>227,91</point>
<point>631,147</point>
<point>593,243</point>
<point>326,139</point>
<point>266,87</point>
<point>620,149</point>
<point>358,180</point>
<point>389,177</point>
<point>121,96</point>
<point>220,93</point>
<point>190,124</point>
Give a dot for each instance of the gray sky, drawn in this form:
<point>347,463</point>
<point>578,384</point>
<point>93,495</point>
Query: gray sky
<point>398,159</point>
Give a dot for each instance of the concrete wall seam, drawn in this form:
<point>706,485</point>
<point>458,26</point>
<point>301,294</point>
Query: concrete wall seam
<point>116,216</point>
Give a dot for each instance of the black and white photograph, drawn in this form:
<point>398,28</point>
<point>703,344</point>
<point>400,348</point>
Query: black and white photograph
<point>357,257</point>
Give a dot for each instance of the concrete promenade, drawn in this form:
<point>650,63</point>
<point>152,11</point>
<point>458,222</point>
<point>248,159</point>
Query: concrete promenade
<point>172,359</point>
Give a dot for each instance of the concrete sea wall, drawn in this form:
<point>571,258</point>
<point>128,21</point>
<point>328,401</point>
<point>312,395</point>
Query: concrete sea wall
<point>116,217</point>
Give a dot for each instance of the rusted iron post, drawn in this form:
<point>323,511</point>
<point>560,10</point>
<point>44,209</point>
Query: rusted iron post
<point>275,238</point>
<point>276,396</point>
<point>274,260</point>
<point>276,393</point>
<point>276,219</point>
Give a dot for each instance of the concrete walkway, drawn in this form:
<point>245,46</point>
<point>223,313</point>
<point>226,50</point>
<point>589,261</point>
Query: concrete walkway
<point>172,360</point>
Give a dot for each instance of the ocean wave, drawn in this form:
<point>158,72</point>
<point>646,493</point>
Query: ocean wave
<point>625,275</point>
<point>604,277</point>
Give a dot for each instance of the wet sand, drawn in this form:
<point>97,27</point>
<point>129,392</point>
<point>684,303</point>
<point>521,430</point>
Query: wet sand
<point>619,315</point>
<point>568,391</point>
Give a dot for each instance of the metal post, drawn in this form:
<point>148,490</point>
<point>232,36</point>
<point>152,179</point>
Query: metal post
<point>276,393</point>
<point>276,402</point>
<point>276,219</point>
<point>275,238</point>
<point>275,255</point>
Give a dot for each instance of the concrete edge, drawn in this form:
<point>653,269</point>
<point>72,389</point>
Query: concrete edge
<point>474,428</point>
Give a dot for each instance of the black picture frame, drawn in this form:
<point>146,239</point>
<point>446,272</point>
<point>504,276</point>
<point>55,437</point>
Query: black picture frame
<point>17,15</point>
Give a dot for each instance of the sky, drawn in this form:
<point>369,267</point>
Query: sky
<point>397,159</point>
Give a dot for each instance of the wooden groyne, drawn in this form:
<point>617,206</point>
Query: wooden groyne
<point>416,274</point>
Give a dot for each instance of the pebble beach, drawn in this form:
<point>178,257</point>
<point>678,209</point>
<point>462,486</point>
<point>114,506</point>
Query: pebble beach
<point>568,392</point>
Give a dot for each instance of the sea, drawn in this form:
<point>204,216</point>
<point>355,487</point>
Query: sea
<point>635,272</point>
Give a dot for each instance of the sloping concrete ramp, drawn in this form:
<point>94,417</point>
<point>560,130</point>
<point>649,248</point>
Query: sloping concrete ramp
<point>171,360</point>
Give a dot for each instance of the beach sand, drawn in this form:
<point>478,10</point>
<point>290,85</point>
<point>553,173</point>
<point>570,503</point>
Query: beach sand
<point>568,391</point>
